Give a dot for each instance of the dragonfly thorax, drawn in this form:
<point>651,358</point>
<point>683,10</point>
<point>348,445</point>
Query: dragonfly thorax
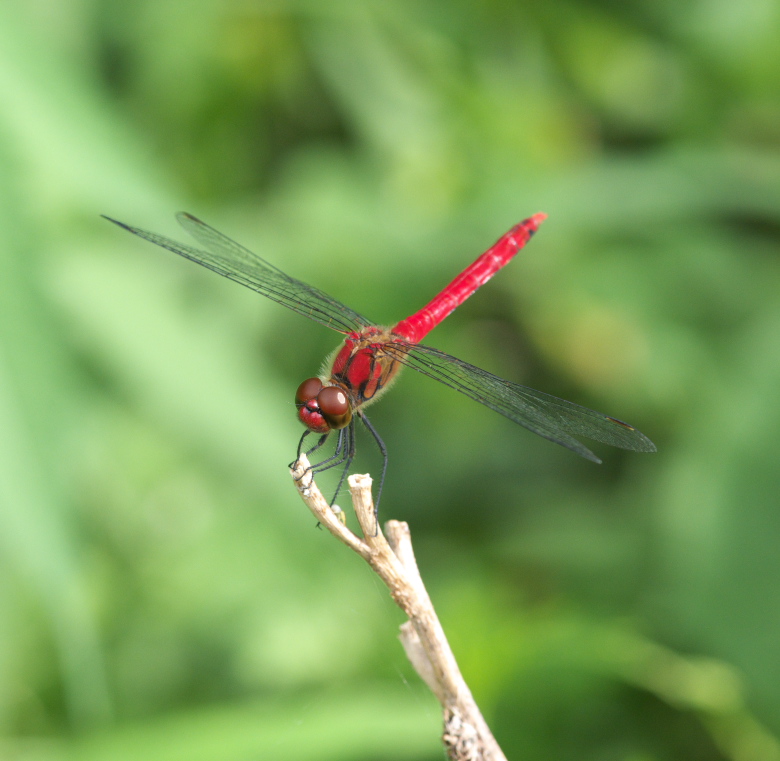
<point>365,365</point>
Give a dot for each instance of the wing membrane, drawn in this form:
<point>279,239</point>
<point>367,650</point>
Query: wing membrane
<point>231,260</point>
<point>548,416</point>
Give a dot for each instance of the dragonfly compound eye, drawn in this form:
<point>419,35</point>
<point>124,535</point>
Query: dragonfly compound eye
<point>309,412</point>
<point>308,390</point>
<point>334,407</point>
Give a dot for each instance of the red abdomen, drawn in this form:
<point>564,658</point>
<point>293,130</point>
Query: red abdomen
<point>416,327</point>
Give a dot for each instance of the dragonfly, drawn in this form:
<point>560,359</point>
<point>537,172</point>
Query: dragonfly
<point>365,365</point>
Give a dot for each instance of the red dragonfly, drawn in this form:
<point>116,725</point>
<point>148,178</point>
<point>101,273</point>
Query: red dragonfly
<point>363,368</point>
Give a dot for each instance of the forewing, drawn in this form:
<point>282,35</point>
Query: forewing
<point>231,260</point>
<point>548,416</point>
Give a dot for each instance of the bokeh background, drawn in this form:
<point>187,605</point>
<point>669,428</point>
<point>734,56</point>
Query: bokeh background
<point>163,592</point>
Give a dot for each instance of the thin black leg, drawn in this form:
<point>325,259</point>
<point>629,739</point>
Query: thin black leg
<point>344,455</point>
<point>336,458</point>
<point>383,450</point>
<point>349,452</point>
<point>300,444</point>
<point>321,441</point>
<point>300,447</point>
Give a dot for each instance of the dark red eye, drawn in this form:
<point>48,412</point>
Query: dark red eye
<point>308,390</point>
<point>334,406</point>
<point>333,401</point>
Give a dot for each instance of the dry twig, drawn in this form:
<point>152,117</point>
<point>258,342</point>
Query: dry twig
<point>466,735</point>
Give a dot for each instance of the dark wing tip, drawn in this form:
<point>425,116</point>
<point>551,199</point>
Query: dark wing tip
<point>640,442</point>
<point>117,222</point>
<point>184,216</point>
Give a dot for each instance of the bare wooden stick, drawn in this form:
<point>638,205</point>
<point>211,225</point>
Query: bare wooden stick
<point>466,735</point>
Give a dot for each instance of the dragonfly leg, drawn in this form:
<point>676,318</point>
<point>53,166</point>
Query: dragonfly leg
<point>300,448</point>
<point>300,444</point>
<point>338,456</point>
<point>383,450</point>
<point>349,454</point>
<point>319,443</point>
<point>344,454</point>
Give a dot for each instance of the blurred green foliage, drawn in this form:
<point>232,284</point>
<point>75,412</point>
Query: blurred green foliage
<point>163,593</point>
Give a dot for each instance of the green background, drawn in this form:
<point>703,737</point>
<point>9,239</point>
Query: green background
<point>163,591</point>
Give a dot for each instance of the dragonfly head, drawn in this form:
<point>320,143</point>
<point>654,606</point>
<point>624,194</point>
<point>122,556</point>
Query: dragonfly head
<point>322,408</point>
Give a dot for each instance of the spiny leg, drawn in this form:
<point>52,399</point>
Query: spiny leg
<point>300,444</point>
<point>345,451</point>
<point>349,454</point>
<point>300,448</point>
<point>383,451</point>
<point>344,454</point>
<point>336,458</point>
<point>319,443</point>
<point>298,453</point>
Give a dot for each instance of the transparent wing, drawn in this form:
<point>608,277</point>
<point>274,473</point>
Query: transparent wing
<point>226,257</point>
<point>548,416</point>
